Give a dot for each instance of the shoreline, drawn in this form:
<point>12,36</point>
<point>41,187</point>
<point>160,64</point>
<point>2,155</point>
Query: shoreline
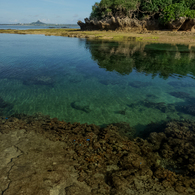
<point>42,155</point>
<point>166,37</point>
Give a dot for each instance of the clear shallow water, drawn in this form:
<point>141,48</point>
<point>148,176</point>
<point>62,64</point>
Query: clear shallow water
<point>25,27</point>
<point>96,82</point>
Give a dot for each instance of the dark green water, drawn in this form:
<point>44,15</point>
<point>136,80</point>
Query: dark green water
<point>77,80</point>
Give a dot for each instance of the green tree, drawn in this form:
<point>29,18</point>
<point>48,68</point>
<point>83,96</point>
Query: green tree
<point>165,10</point>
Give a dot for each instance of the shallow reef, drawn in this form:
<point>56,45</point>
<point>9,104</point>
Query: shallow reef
<point>162,106</point>
<point>39,80</point>
<point>107,160</point>
<point>5,107</point>
<point>138,84</point>
<point>178,84</point>
<point>187,109</point>
<point>180,94</point>
<point>82,106</point>
<point>109,82</point>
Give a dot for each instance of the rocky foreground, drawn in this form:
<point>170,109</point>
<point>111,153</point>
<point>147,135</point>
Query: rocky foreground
<point>45,156</point>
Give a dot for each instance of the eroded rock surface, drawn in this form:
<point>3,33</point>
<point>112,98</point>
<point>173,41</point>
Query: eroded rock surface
<point>126,23</point>
<point>40,155</point>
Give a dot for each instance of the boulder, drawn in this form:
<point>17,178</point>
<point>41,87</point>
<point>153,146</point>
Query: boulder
<point>175,25</point>
<point>188,25</point>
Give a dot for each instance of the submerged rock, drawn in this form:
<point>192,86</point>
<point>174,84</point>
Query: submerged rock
<point>139,84</point>
<point>178,84</point>
<point>5,107</point>
<point>81,105</point>
<point>188,109</point>
<point>109,82</point>
<point>180,94</point>
<point>162,106</point>
<point>122,112</point>
<point>39,80</point>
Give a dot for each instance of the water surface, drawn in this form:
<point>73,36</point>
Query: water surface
<point>26,27</point>
<point>98,82</point>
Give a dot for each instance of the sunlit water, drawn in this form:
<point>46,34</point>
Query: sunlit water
<point>98,82</point>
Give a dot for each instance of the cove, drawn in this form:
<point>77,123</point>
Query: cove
<point>99,82</point>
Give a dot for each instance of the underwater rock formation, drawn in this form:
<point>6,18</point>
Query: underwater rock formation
<point>109,82</point>
<point>178,84</point>
<point>180,94</point>
<point>81,105</point>
<point>188,109</point>
<point>177,146</point>
<point>138,84</point>
<point>125,130</point>
<point>39,80</point>
<point>5,108</point>
<point>93,160</point>
<point>122,112</point>
<point>162,106</point>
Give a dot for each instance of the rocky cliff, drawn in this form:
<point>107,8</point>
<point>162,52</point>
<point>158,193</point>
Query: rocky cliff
<point>116,23</point>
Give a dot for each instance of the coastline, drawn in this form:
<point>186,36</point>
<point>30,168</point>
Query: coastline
<point>40,155</point>
<point>46,156</point>
<point>167,37</point>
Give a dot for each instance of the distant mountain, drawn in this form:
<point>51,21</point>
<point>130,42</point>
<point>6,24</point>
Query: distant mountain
<point>37,22</point>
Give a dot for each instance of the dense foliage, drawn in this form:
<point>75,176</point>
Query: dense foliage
<point>164,10</point>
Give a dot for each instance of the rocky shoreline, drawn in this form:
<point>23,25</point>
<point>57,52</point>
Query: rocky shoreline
<point>116,23</point>
<point>40,155</point>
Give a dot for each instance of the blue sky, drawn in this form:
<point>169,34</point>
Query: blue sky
<point>48,11</point>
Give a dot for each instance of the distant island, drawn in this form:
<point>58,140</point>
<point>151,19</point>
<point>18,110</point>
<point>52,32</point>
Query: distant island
<point>39,23</point>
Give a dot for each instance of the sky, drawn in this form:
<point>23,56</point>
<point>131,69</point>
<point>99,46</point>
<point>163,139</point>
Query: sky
<point>47,11</point>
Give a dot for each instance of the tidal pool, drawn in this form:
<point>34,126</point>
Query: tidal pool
<point>99,82</point>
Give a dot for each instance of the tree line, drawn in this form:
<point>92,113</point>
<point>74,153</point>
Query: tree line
<point>163,10</point>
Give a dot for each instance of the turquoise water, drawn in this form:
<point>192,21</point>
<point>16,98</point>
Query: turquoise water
<point>98,82</point>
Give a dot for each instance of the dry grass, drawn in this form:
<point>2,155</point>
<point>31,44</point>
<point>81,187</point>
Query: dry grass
<point>149,36</point>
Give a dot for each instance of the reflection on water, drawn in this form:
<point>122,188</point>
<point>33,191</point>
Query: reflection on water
<point>96,82</point>
<point>157,59</point>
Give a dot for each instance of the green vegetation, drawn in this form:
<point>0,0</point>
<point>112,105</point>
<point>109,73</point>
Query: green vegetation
<point>164,10</point>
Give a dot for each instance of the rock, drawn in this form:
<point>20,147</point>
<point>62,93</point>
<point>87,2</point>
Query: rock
<point>57,158</point>
<point>176,24</point>
<point>162,106</point>
<point>39,80</point>
<point>82,105</point>
<point>124,129</point>
<point>5,108</point>
<point>178,84</point>
<point>188,25</point>
<point>109,82</point>
<point>188,109</point>
<point>139,84</point>
<point>180,94</point>
<point>3,104</point>
<point>125,23</point>
<point>114,23</point>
